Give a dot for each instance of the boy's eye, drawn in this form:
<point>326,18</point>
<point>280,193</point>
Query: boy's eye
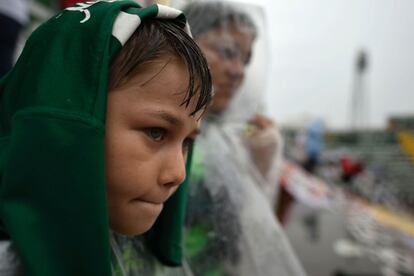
<point>155,133</point>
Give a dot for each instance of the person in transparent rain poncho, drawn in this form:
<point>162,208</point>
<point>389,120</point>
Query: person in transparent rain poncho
<point>231,227</point>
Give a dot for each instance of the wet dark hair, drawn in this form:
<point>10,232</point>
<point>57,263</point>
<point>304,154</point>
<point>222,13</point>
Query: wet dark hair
<point>155,38</point>
<point>206,16</point>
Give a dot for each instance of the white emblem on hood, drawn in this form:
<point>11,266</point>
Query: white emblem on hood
<point>83,7</point>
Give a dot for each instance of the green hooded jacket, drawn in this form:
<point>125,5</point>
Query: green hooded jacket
<point>52,131</point>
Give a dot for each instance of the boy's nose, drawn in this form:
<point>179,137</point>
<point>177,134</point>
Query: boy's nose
<point>173,172</point>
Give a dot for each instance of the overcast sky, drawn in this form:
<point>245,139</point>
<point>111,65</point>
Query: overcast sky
<point>313,49</point>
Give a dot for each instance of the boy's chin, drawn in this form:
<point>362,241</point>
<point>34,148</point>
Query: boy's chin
<point>131,229</point>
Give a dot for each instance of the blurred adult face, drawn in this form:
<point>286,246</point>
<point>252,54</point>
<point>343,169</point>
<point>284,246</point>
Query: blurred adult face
<point>228,52</point>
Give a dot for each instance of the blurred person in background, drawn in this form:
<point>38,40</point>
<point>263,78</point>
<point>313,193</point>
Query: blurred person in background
<point>231,225</point>
<point>69,3</point>
<point>313,145</point>
<point>13,18</point>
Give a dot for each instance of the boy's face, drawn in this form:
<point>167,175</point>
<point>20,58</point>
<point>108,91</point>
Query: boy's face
<point>227,51</point>
<point>148,133</point>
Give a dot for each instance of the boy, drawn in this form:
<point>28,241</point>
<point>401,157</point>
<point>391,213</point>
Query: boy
<point>97,121</point>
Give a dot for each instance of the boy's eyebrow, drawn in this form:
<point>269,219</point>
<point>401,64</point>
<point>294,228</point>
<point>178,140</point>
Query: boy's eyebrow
<point>173,120</point>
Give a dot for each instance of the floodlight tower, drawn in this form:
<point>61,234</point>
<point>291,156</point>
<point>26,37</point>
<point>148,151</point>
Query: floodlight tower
<point>359,100</point>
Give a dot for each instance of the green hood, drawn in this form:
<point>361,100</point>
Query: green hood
<point>52,130</point>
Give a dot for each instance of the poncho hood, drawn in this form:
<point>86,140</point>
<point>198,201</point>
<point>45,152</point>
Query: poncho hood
<point>52,131</point>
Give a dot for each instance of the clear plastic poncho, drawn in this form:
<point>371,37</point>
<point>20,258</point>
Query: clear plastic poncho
<point>231,224</point>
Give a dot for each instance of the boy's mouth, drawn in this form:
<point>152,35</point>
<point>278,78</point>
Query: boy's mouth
<point>155,202</point>
<point>147,208</point>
